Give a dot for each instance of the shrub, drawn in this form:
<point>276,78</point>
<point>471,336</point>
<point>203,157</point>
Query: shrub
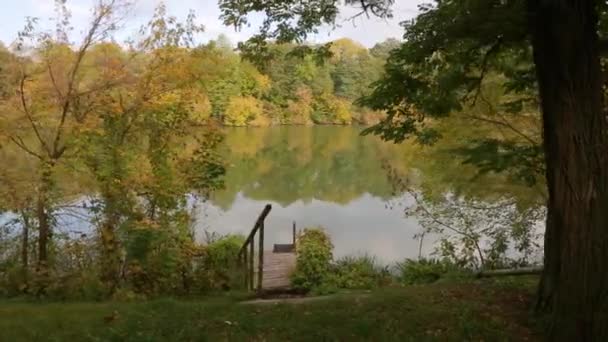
<point>78,286</point>
<point>218,269</point>
<point>222,253</point>
<point>314,256</point>
<point>360,272</point>
<point>330,285</point>
<point>12,280</point>
<point>425,271</point>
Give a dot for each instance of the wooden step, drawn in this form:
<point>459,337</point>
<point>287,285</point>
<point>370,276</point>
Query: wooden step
<point>278,268</point>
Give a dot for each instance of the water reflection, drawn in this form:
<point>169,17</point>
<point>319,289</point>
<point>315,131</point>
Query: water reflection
<point>328,176</point>
<point>289,164</point>
<point>364,225</point>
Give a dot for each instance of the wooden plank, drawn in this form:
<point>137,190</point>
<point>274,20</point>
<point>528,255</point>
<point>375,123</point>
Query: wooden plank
<point>250,270</point>
<point>283,248</point>
<point>261,257</point>
<point>244,267</point>
<point>277,270</point>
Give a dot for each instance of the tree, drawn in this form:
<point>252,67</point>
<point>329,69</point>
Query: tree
<point>137,156</point>
<point>383,49</point>
<point>570,85</point>
<point>114,120</point>
<point>549,48</point>
<point>242,110</point>
<point>354,69</point>
<point>53,101</point>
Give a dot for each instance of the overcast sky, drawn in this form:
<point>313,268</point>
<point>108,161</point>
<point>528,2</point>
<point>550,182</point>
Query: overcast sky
<point>366,31</point>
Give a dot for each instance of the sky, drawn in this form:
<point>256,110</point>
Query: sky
<point>367,31</point>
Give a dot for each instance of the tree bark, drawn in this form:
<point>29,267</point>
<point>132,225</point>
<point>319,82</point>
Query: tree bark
<point>575,280</point>
<point>548,280</point>
<point>110,262</point>
<point>25,242</point>
<point>44,224</point>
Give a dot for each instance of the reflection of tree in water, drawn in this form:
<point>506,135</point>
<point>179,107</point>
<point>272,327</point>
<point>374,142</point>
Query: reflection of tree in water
<point>336,164</point>
<point>332,164</point>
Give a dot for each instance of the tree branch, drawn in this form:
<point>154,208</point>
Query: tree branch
<point>19,142</point>
<point>484,69</point>
<point>53,80</point>
<point>449,227</point>
<point>504,124</point>
<point>102,13</point>
<point>29,116</point>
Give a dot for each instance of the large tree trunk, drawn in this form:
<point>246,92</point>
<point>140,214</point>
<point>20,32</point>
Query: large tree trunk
<point>575,283</point>
<point>548,281</point>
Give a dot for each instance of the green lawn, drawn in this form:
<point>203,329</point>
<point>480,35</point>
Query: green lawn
<point>464,311</point>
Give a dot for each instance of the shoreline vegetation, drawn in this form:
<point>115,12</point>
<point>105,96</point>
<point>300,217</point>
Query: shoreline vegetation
<point>289,88</point>
<point>358,299</point>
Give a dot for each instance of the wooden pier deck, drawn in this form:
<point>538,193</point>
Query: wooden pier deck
<point>277,270</point>
<point>267,270</point>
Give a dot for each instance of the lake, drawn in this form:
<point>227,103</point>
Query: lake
<point>328,176</point>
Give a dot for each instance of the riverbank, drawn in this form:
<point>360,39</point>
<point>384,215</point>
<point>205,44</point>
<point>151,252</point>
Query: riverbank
<point>490,309</point>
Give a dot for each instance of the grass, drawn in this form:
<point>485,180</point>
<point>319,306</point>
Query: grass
<point>487,310</point>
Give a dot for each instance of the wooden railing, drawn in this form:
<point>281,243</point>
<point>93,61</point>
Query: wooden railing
<point>247,252</point>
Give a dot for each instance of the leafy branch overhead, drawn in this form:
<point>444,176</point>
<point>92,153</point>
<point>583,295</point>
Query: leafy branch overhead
<point>292,21</point>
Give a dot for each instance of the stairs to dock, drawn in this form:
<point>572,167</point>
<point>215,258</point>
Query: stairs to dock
<point>267,271</point>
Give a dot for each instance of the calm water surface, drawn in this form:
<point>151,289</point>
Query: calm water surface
<point>316,176</point>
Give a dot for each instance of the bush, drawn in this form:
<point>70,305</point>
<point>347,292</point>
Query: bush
<point>218,269</point>
<point>360,272</point>
<point>314,256</point>
<point>330,285</point>
<point>12,280</point>
<point>77,286</point>
<point>315,270</point>
<point>425,271</point>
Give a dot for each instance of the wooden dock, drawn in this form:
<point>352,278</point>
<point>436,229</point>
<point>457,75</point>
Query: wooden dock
<point>267,271</point>
<point>277,270</point>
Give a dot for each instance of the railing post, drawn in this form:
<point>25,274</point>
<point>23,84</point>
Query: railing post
<point>246,254</point>
<point>261,257</point>
<point>294,234</point>
<point>250,270</point>
<point>244,268</point>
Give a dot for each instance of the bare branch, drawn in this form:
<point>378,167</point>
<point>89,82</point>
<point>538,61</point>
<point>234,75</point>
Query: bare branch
<point>53,81</point>
<point>503,122</point>
<point>102,12</point>
<point>484,69</point>
<point>28,114</point>
<point>19,142</point>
